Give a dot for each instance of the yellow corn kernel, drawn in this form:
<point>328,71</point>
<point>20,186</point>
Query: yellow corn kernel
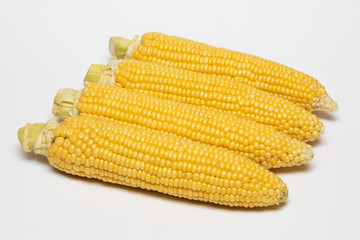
<point>263,74</point>
<point>168,178</point>
<point>263,144</point>
<point>218,93</point>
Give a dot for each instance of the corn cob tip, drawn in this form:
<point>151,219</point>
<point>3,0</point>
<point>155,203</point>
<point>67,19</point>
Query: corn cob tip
<point>37,137</point>
<point>305,156</point>
<point>324,103</point>
<point>301,156</point>
<point>65,103</point>
<point>283,196</point>
<point>308,153</point>
<point>99,73</point>
<point>121,48</point>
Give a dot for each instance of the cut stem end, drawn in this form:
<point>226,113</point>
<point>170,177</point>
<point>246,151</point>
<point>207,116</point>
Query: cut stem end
<point>37,137</point>
<point>118,46</point>
<point>122,48</point>
<point>99,73</point>
<point>65,103</point>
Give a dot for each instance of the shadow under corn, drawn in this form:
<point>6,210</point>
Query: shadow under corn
<point>294,169</point>
<point>31,156</point>
<point>317,142</point>
<point>325,115</point>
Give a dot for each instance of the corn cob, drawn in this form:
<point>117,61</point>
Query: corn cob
<point>258,142</point>
<point>263,74</point>
<point>210,91</point>
<point>142,158</point>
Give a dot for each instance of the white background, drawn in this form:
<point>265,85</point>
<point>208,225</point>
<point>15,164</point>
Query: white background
<point>47,45</point>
